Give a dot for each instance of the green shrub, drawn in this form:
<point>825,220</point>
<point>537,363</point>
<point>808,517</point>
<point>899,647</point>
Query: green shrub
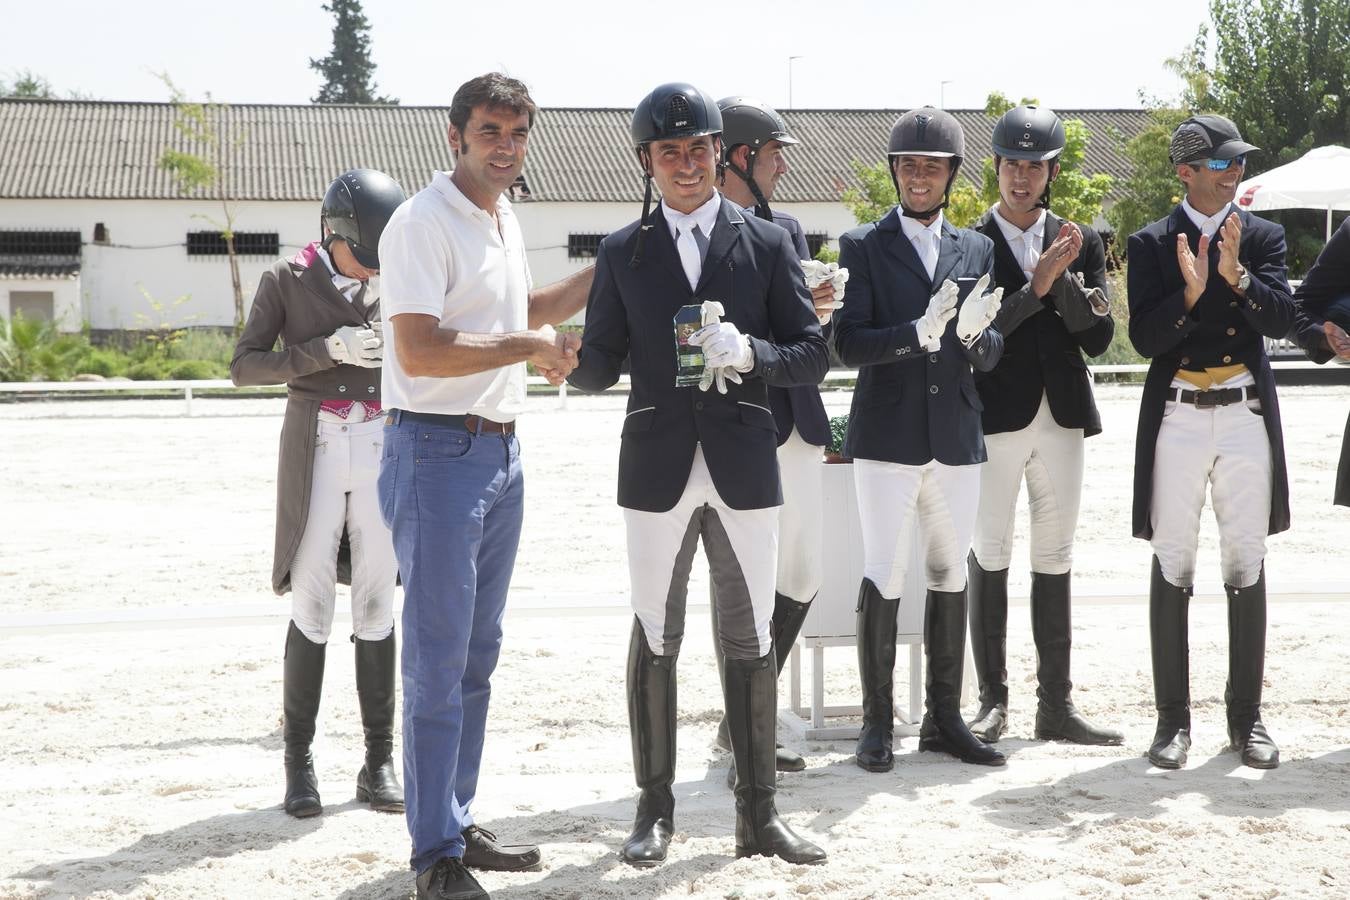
<point>838,428</point>
<point>102,361</point>
<point>145,370</point>
<point>1121,351</point>
<point>195,370</point>
<point>206,344</point>
<point>33,350</point>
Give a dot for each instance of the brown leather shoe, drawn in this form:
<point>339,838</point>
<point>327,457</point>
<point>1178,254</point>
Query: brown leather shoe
<point>481,851</point>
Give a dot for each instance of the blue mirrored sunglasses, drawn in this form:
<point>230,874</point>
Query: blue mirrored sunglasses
<point>1221,165</point>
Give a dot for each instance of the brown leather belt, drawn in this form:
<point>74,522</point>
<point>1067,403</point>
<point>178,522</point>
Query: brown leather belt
<point>471,423</point>
<point>1213,397</point>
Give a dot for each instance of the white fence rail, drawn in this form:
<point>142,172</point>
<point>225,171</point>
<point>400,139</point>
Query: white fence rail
<point>835,376</point>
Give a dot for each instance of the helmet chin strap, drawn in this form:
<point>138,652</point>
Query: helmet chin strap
<point>1044,202</point>
<point>762,210</point>
<point>912,214</point>
<point>643,224</point>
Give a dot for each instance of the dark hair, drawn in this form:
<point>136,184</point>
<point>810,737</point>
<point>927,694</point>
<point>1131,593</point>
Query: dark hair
<point>493,90</point>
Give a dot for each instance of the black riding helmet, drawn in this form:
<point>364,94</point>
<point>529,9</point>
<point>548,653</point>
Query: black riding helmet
<point>926,132</point>
<point>754,124</point>
<point>672,111</point>
<point>356,208</point>
<point>1031,133</point>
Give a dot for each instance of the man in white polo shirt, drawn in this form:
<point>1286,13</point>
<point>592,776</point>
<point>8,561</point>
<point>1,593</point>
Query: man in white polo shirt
<point>464,321</point>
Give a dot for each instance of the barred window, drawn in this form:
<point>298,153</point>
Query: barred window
<point>246,243</point>
<point>815,240</point>
<point>583,246</point>
<point>39,243</point>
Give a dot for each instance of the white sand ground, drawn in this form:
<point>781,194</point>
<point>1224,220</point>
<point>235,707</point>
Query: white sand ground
<point>140,696</point>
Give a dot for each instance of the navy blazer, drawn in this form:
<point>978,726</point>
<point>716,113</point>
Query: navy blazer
<point>801,405</point>
<point>911,406</point>
<point>753,270</point>
<point>1325,294</point>
<point>1041,355</point>
<point>1222,329</point>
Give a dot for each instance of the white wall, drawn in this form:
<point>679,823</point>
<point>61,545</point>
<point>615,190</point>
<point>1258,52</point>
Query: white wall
<point>65,298</point>
<point>121,283</point>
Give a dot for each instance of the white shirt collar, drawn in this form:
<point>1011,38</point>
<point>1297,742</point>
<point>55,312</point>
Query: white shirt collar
<point>345,285</point>
<point>912,227</point>
<point>705,217</point>
<point>1012,233</point>
<point>1207,224</point>
<point>445,186</point>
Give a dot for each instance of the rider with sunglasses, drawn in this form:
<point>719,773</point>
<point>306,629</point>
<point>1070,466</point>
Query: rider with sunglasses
<point>1206,283</point>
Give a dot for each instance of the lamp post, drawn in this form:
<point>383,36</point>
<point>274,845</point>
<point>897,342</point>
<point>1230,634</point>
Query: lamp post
<point>942,93</point>
<point>789,64</point>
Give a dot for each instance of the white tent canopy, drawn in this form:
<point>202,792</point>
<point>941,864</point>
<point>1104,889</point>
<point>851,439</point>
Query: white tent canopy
<point>1320,179</point>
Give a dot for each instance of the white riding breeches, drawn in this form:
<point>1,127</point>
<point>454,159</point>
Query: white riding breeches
<point>937,499</point>
<point>800,555</point>
<point>1226,449</point>
<point>1050,457</point>
<point>343,493</point>
<point>742,550</point>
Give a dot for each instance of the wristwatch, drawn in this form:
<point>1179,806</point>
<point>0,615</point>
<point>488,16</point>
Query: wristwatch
<point>1244,281</point>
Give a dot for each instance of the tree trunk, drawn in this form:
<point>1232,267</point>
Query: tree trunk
<point>234,281</point>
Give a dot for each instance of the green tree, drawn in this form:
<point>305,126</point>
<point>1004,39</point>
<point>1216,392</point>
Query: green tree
<point>204,169</point>
<point>27,85</point>
<point>1152,188</point>
<point>348,72</point>
<point>875,194</point>
<point>1076,195</point>
<point>1282,73</point>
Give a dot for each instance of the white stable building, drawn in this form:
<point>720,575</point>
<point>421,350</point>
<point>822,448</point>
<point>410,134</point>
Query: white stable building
<point>93,230</point>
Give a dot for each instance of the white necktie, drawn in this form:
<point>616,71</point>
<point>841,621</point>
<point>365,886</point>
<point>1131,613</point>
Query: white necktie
<point>926,242</point>
<point>1031,252</point>
<point>691,254</point>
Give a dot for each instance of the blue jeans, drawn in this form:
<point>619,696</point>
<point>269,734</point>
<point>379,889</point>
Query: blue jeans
<point>454,501</point>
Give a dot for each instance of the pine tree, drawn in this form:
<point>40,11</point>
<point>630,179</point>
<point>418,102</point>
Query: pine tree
<point>348,72</point>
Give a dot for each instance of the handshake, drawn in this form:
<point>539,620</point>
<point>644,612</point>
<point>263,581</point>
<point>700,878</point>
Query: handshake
<point>556,354</point>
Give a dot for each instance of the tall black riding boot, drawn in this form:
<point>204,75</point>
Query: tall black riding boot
<point>1246,667</point>
<point>1052,630</point>
<point>1169,640</point>
<point>786,624</point>
<point>377,782</point>
<point>302,685</point>
<point>751,687</point>
<point>988,591</point>
<point>876,670</point>
<point>943,729</point>
<point>651,721</point>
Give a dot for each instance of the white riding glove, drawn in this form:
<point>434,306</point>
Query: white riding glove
<point>724,345</point>
<point>726,352</point>
<point>817,273</point>
<point>978,311</point>
<point>941,308</point>
<point>356,346</point>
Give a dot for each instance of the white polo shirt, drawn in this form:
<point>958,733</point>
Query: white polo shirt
<point>443,256</point>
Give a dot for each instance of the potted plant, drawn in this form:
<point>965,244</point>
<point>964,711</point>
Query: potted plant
<point>834,450</point>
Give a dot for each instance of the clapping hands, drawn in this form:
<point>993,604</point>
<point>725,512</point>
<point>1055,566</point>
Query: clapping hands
<point>978,311</point>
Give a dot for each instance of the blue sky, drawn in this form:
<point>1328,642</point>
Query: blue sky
<point>602,53</point>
